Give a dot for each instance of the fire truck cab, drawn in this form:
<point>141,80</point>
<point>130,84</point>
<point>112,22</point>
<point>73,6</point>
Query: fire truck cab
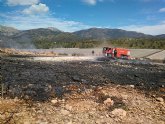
<point>116,52</point>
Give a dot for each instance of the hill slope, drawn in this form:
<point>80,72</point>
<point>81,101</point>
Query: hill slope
<point>100,33</point>
<point>7,31</point>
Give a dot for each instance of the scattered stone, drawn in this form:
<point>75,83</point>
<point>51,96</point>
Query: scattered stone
<point>30,85</point>
<point>106,115</point>
<point>76,78</point>
<point>97,122</point>
<point>63,100</point>
<point>87,91</point>
<point>160,122</point>
<point>54,101</point>
<point>120,113</point>
<point>22,64</point>
<point>132,86</point>
<point>124,97</point>
<point>68,107</point>
<point>49,86</point>
<point>69,122</point>
<point>93,109</point>
<point>83,81</point>
<point>16,99</point>
<point>109,102</point>
<point>65,112</point>
<point>154,95</point>
<point>159,99</point>
<point>26,97</point>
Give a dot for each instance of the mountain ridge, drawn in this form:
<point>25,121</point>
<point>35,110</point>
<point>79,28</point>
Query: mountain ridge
<point>11,37</point>
<point>8,31</point>
<point>106,33</point>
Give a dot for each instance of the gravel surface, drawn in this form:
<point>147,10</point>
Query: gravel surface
<point>135,53</point>
<point>158,56</point>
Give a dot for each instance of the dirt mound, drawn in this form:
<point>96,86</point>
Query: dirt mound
<point>25,53</point>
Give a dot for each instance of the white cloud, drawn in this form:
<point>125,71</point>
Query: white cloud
<point>21,2</point>
<point>36,9</point>
<point>148,29</point>
<point>94,2</point>
<point>162,10</point>
<point>24,22</point>
<point>90,2</point>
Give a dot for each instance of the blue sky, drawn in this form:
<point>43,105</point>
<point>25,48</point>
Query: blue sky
<point>147,16</point>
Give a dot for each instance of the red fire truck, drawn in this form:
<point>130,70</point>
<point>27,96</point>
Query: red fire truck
<point>116,52</point>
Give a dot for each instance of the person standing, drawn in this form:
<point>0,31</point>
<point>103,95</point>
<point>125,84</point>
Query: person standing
<point>115,53</point>
<point>93,52</point>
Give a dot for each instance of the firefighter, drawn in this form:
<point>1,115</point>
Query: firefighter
<point>115,53</point>
<point>93,52</point>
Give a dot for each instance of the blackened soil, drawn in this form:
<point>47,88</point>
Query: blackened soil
<point>37,80</point>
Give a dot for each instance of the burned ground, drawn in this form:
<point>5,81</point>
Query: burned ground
<point>87,92</point>
<point>39,79</point>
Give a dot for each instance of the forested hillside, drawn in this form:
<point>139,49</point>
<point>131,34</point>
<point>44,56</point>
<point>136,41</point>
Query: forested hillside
<point>46,38</point>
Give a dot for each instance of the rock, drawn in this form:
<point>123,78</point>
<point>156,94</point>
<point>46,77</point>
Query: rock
<point>76,78</point>
<point>22,64</point>
<point>97,122</point>
<point>109,102</point>
<point>54,101</point>
<point>16,99</point>
<point>136,75</point>
<point>159,99</point>
<point>26,97</point>
<point>84,81</point>
<point>69,122</point>
<point>65,112</point>
<point>154,95</point>
<point>93,109</point>
<point>132,86</point>
<point>49,86</point>
<point>124,97</point>
<point>68,107</point>
<point>120,113</point>
<point>59,91</point>
<point>27,122</point>
<point>160,122</point>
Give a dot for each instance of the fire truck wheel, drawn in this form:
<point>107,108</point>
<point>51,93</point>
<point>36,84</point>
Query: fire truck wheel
<point>108,54</point>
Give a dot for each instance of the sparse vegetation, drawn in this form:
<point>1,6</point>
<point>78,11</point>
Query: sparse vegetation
<point>46,44</point>
<point>154,43</point>
<point>140,43</point>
